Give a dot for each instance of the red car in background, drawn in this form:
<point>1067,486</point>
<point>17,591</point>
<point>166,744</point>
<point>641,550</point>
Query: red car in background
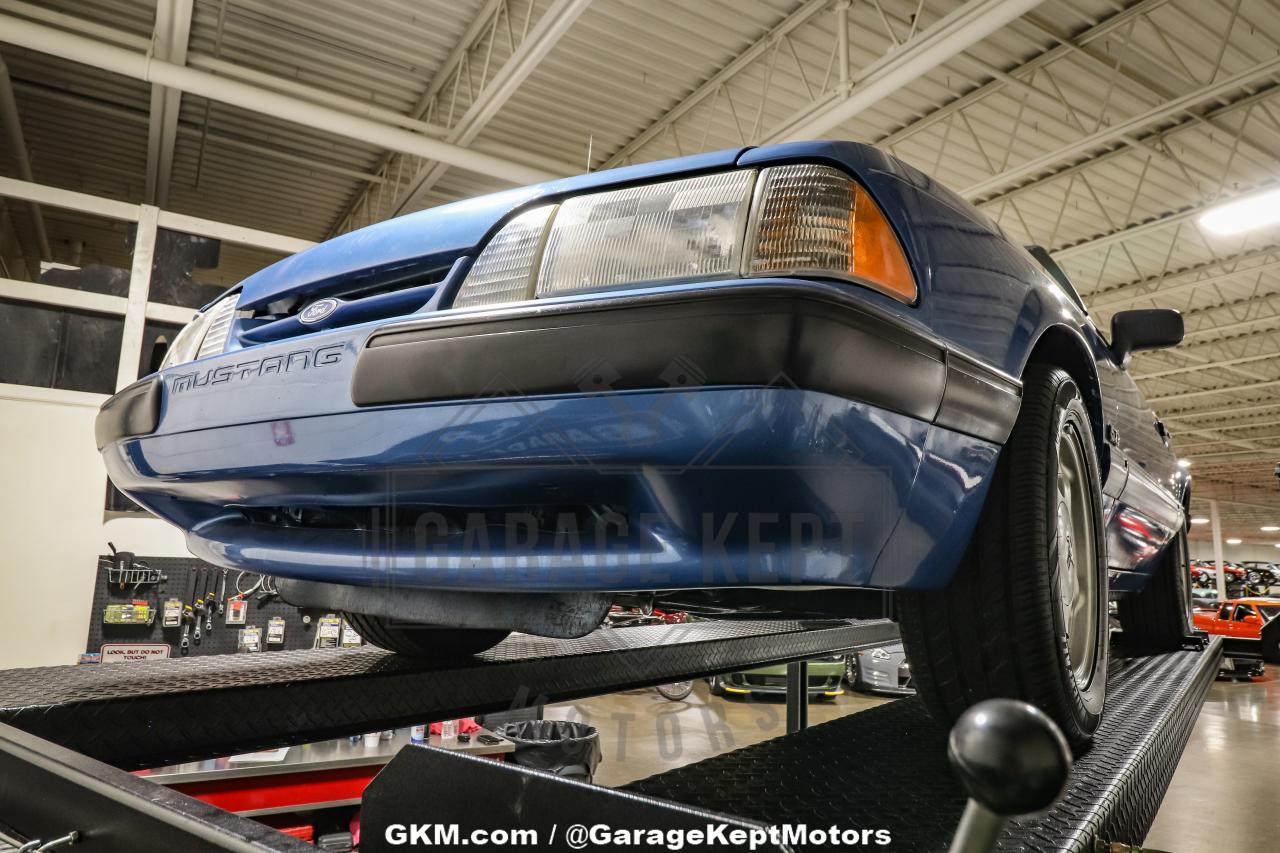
<point>1205,573</point>
<point>1245,619</point>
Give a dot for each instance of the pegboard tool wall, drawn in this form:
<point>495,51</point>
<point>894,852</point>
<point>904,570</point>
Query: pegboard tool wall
<point>177,584</point>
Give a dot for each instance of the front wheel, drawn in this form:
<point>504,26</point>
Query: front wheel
<point>1025,616</point>
<point>423,641</point>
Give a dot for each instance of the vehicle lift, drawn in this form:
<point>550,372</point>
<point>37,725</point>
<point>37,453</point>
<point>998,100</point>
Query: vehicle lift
<point>68,736</point>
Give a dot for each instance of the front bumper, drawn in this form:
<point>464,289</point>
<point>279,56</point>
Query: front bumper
<point>714,417</point>
<point>824,679</point>
<point>890,678</point>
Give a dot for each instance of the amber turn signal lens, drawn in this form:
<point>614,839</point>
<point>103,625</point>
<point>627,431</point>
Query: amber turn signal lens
<point>877,257</point>
<point>816,220</point>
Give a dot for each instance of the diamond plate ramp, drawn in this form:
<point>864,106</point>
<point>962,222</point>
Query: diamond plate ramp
<point>161,712</point>
<point>887,768</point>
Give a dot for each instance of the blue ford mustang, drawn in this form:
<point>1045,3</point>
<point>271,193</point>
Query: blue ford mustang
<point>765,380</point>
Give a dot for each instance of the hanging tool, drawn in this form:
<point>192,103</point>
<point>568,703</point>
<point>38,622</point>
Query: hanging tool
<point>222,594</point>
<point>211,602</point>
<point>188,617</point>
<point>198,607</point>
<point>125,569</point>
<point>122,562</point>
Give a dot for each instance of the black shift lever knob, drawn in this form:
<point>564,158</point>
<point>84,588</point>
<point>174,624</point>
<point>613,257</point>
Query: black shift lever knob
<point>1012,758</point>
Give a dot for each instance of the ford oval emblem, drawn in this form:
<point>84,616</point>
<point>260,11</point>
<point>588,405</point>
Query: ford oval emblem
<point>318,310</point>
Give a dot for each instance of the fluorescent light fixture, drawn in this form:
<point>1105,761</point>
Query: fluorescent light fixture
<point>1269,528</point>
<point>1199,520</point>
<point>1234,541</point>
<point>1184,463</point>
<point>1244,214</point>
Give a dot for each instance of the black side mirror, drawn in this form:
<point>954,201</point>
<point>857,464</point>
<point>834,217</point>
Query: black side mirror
<point>1144,328</point>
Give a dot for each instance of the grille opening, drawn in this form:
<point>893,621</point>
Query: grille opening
<point>584,527</point>
<point>348,291</point>
<point>360,301</point>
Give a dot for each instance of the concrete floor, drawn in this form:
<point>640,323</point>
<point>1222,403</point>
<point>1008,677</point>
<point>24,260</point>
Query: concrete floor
<point>1223,795</point>
<point>641,733</point>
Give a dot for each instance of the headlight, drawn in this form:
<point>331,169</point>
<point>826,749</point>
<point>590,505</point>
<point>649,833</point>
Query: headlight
<point>504,270</point>
<point>204,336</point>
<point>803,220</point>
<point>643,235</point>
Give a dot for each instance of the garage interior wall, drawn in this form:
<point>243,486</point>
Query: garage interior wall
<point>54,529</point>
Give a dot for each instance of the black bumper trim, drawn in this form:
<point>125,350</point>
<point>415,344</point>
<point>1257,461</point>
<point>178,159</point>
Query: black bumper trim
<point>978,401</point>
<point>763,337</point>
<point>133,411</point>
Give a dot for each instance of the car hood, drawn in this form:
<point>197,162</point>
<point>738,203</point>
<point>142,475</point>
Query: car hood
<point>437,236</point>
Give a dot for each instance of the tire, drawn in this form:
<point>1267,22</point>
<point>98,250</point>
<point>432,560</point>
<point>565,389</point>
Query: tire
<point>1158,617</point>
<point>676,691</point>
<point>1270,645</point>
<point>423,641</point>
<point>716,686</point>
<point>851,669</point>
<point>999,628</point>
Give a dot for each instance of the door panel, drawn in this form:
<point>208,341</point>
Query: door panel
<point>1146,513</point>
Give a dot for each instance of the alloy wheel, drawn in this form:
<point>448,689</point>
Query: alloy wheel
<point>1077,572</point>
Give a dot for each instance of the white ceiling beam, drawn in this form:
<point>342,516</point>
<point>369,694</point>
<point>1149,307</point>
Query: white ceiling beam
<point>1231,327</point>
<point>12,121</point>
<point>1214,440</point>
<point>1262,453</point>
<point>1232,411</point>
<point>1132,292</point>
<point>757,49</point>
<point>308,160</point>
<point>86,300</point>
<point>1108,64</point>
<point>112,209</point>
<point>437,82</point>
<point>69,199</point>
<point>1209,392</point>
<point>1165,220</point>
<point>222,67</point>
<point>1272,507</point>
<point>945,39</point>
<point>129,63</point>
<point>455,58</point>
<point>1095,32</point>
<point>1067,154</point>
<point>1198,368</point>
<point>233,233</point>
<point>1150,140</point>
<point>554,23</point>
<point>169,40</point>
<point>1196,352</point>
